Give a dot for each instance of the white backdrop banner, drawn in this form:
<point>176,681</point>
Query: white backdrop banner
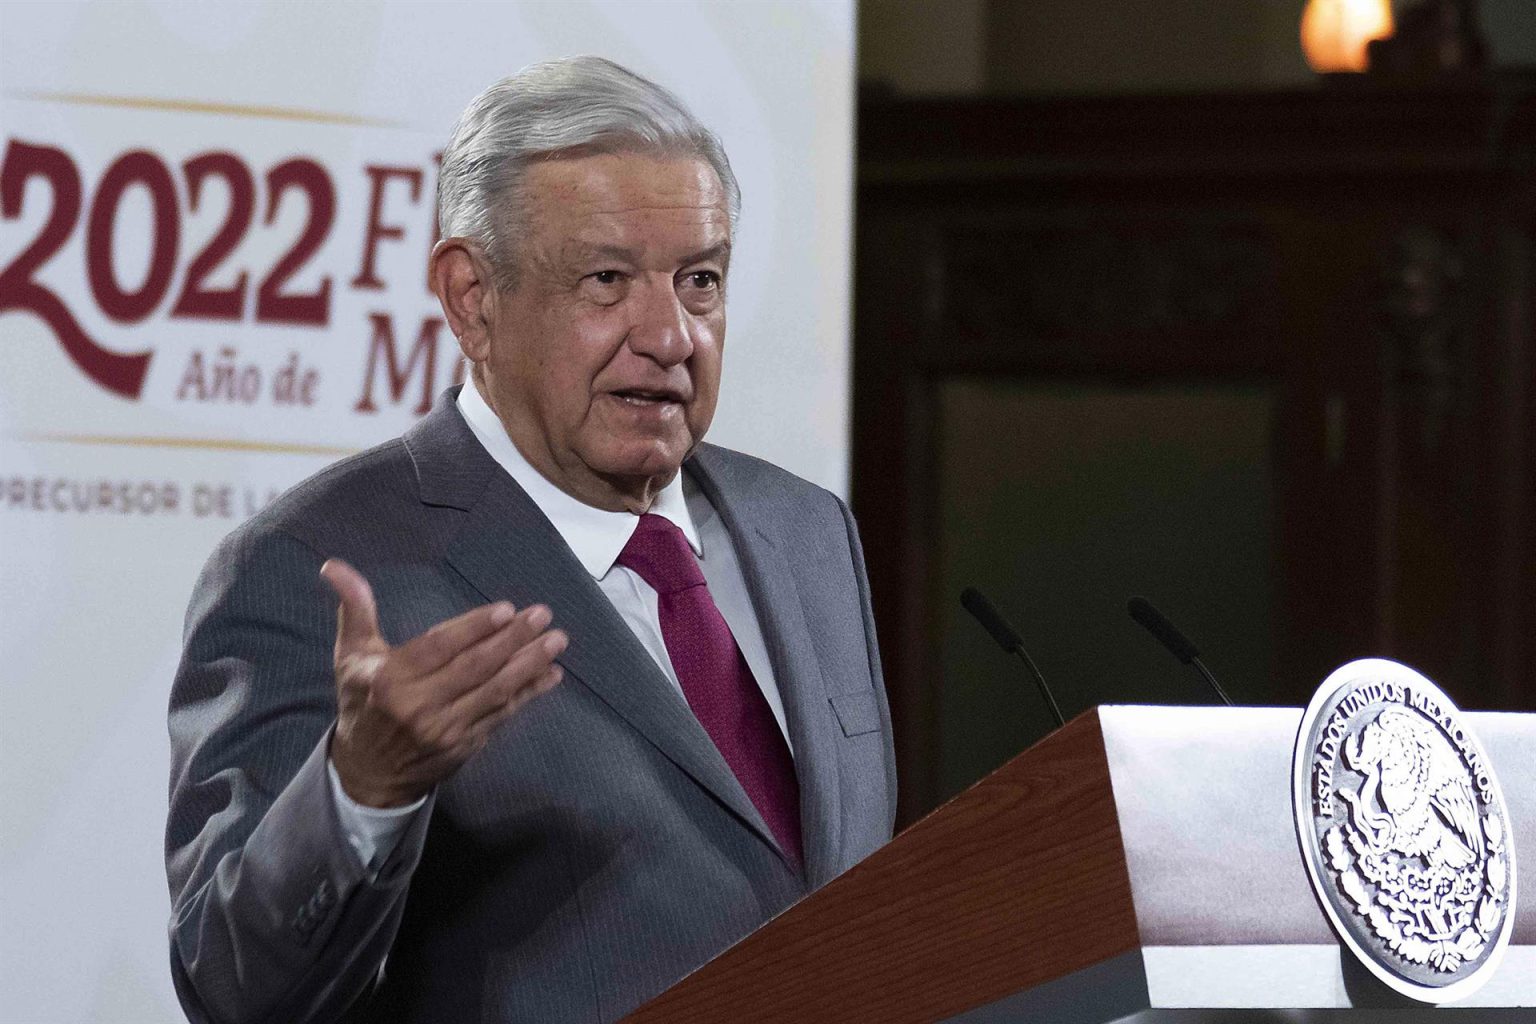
<point>214,223</point>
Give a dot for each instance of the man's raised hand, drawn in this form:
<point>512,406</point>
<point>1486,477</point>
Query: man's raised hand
<point>407,717</point>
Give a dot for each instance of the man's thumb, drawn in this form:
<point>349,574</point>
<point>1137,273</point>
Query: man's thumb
<point>357,619</point>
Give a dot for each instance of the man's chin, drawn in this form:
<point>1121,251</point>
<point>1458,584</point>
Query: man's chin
<point>635,470</point>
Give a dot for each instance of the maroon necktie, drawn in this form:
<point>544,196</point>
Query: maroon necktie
<point>715,678</point>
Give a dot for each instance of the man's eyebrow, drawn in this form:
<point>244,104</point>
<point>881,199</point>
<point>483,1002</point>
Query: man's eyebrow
<point>719,251</point>
<point>622,254</point>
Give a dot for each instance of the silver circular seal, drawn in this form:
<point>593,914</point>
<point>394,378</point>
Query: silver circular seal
<point>1404,831</point>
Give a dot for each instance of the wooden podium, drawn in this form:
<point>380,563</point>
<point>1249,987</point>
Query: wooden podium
<point>1140,862</point>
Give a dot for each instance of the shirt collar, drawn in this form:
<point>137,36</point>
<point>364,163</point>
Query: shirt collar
<point>595,535</point>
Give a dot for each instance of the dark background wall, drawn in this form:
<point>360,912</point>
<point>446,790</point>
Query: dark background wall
<point>1051,47</point>
<point>1143,306</point>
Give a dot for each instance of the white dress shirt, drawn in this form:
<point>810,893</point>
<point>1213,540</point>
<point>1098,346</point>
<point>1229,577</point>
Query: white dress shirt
<point>596,537</point>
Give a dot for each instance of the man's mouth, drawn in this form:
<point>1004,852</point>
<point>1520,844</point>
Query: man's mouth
<point>646,396</point>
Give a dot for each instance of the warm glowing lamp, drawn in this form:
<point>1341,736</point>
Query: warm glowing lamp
<point>1334,32</point>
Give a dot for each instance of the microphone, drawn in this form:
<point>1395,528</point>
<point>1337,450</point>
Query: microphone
<point>1177,643</point>
<point>1007,638</point>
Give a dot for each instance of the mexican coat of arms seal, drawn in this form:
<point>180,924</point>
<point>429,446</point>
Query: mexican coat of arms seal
<point>1404,830</point>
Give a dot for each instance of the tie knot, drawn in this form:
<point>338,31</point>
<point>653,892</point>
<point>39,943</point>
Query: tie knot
<point>660,554</point>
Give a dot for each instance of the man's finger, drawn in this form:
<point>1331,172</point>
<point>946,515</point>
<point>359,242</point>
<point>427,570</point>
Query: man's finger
<point>473,665</point>
<point>510,686</point>
<point>489,722</point>
<point>357,618</point>
<point>445,641</point>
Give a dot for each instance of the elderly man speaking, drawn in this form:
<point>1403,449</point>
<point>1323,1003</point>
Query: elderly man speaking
<point>528,713</point>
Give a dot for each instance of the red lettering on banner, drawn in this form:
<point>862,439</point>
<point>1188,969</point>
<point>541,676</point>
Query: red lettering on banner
<point>220,303</point>
<point>135,168</point>
<point>378,230</point>
<point>194,382</point>
<point>212,374</point>
<point>293,385</point>
<point>272,303</point>
<point>122,374</point>
<point>220,379</point>
<point>424,352</point>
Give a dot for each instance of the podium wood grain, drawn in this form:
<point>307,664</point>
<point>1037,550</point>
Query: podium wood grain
<point>957,912</point>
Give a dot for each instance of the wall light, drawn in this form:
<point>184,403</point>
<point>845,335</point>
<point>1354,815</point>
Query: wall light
<point>1334,32</point>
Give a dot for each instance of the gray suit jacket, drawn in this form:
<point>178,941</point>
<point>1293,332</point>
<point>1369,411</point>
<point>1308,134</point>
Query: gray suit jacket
<point>596,851</point>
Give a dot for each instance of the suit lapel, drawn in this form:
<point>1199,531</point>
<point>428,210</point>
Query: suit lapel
<point>509,551</point>
<point>776,599</point>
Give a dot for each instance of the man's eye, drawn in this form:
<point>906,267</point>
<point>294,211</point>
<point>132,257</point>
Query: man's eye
<point>606,277</point>
<point>704,279</point>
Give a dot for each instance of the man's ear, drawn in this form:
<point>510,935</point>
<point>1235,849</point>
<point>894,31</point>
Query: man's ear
<point>462,279</point>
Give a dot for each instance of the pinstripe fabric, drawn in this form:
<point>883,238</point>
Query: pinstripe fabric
<point>597,849</point>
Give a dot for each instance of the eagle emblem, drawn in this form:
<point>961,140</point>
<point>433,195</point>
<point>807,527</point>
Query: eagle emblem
<point>1403,829</point>
<point>1415,798</point>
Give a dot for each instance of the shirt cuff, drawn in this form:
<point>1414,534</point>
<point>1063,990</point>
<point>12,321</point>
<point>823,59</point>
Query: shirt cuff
<point>372,832</point>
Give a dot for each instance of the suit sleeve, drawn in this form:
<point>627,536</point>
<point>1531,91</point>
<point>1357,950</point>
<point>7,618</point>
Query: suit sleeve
<point>274,917</point>
<point>872,643</point>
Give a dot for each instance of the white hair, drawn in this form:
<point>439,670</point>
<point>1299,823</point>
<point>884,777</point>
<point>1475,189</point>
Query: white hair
<point>545,109</point>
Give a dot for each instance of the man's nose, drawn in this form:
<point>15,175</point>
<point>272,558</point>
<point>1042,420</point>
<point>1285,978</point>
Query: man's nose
<point>661,328</point>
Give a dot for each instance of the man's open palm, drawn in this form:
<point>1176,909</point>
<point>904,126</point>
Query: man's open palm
<point>409,716</point>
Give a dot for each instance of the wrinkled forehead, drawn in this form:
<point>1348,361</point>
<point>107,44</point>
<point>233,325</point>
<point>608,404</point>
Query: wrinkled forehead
<point>602,176</point>
<point>607,201</point>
